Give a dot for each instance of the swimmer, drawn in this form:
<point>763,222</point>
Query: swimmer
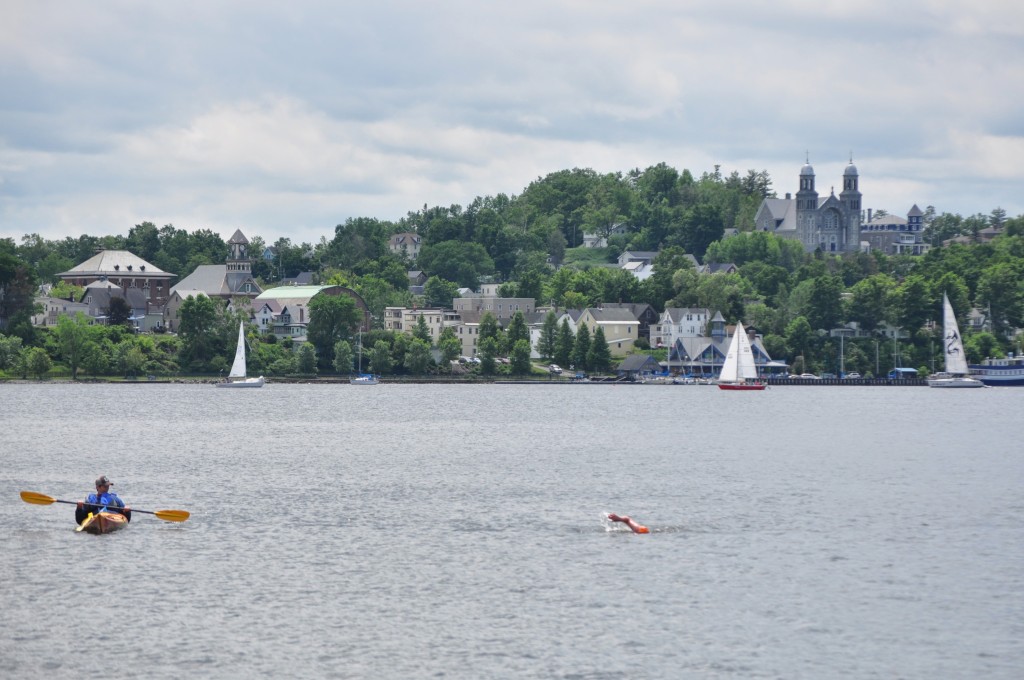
<point>625,519</point>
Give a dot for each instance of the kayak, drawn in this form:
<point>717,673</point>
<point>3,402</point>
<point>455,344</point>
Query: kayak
<point>102,523</point>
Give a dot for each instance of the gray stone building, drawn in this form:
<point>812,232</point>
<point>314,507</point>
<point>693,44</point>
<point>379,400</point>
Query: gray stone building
<point>894,235</point>
<point>831,223</point>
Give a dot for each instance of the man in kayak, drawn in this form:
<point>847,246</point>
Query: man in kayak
<point>104,500</point>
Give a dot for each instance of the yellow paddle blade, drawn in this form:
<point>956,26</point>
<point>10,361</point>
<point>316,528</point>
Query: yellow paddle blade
<point>172,515</point>
<point>37,498</point>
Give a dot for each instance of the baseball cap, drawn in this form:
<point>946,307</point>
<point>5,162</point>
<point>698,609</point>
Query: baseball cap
<point>103,481</point>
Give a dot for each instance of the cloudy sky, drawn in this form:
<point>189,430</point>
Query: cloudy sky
<point>287,118</point>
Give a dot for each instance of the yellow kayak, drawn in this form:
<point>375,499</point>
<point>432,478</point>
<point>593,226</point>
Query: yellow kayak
<point>102,523</point>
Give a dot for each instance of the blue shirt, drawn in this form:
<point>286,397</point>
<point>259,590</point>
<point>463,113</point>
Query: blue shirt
<point>105,500</point>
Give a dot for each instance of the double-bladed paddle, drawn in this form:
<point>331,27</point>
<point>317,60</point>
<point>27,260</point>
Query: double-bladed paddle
<point>42,499</point>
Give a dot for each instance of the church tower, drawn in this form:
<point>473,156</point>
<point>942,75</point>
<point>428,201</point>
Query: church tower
<point>239,266</point>
<point>851,198</point>
<point>806,205</point>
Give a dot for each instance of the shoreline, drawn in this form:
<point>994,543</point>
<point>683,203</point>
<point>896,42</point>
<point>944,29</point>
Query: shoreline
<point>437,380</point>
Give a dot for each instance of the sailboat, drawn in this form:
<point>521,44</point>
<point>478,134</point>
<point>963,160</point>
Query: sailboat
<point>956,374</point>
<point>739,372</point>
<point>362,378</point>
<point>236,378</point>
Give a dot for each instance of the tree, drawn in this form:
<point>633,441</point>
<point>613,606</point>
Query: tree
<point>997,217</point>
<point>581,348</point>
<point>517,330</point>
<point>144,240</point>
<point>799,336</point>
<point>825,305</point>
<point>519,358</point>
<point>564,344</point>
<point>307,359</point>
<point>119,312</point>
<point>488,351</point>
<point>608,204</point>
<point>128,358</point>
<point>380,358</point>
<point>461,261</point>
<point>704,226</point>
<point>659,287</point>
<point>343,356</point>
<point>724,292</point>
<point>65,290</point>
<point>548,336</point>
<point>417,357</point>
<point>981,345</point>
<point>284,362</point>
<point>1001,291</point>
<point>358,240</point>
<point>197,330</point>
<point>556,246</point>
<point>37,362</point>
<point>914,303</point>
<point>17,288</point>
<point>439,293</point>
<point>868,299</point>
<point>10,351</point>
<point>331,318</point>
<point>599,357</point>
<point>422,331</point>
<point>94,359</point>
<point>562,196</point>
<point>399,348</point>
<point>489,328</point>
<point>72,336</point>
<point>449,345</point>
<point>574,300</point>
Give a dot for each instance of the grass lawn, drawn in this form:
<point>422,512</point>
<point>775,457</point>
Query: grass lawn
<point>584,258</point>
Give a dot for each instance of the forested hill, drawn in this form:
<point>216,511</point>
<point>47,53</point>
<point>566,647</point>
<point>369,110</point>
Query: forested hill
<point>523,239</point>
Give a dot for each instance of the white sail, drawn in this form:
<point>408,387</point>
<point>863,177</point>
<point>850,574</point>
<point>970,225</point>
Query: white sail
<point>739,359</point>
<point>956,362</point>
<point>238,367</point>
<point>731,365</point>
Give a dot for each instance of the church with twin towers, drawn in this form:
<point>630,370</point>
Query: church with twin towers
<point>830,223</point>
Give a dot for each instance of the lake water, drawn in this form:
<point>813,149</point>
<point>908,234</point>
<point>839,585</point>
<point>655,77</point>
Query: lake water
<point>456,531</point>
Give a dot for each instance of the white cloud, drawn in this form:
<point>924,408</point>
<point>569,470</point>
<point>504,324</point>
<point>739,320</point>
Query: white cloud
<point>288,119</point>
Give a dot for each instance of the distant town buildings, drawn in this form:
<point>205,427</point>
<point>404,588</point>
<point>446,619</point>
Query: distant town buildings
<point>125,270</point>
<point>894,235</point>
<point>838,224</point>
<point>224,281</point>
<point>407,244</point>
<point>284,311</point>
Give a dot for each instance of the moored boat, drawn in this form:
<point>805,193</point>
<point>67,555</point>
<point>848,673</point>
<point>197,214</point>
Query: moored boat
<point>102,522</point>
<point>1003,372</point>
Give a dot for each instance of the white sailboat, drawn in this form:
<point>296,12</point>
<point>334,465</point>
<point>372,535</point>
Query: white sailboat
<point>236,378</point>
<point>956,374</point>
<point>739,371</point>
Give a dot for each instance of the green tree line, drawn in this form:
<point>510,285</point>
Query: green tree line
<point>531,243</point>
